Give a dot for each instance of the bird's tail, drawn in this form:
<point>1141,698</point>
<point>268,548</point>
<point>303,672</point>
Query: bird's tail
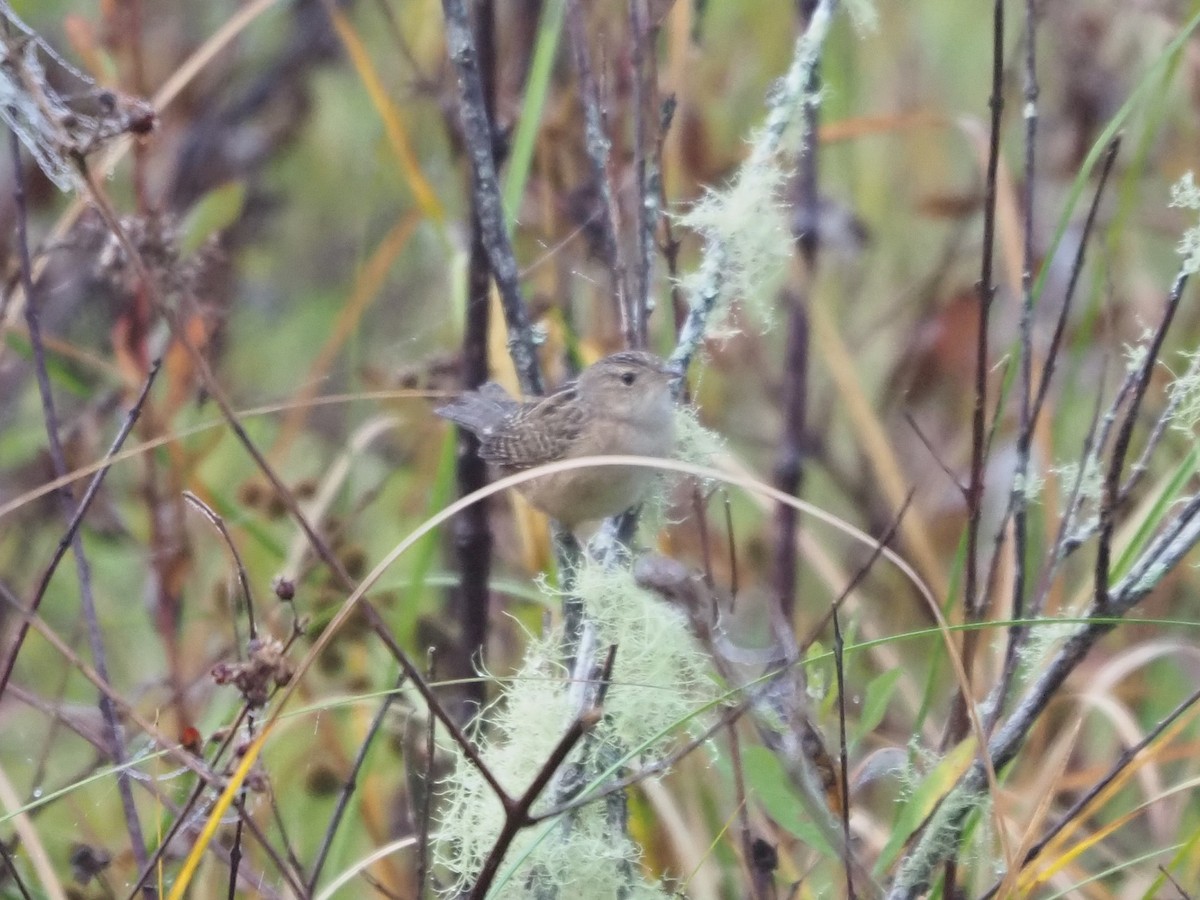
<point>480,411</point>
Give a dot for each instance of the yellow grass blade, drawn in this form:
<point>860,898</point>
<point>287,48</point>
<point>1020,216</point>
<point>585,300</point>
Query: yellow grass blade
<point>218,812</point>
<point>393,125</point>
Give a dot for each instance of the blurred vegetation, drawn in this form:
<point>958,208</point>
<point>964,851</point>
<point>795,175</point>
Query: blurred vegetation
<point>308,195</point>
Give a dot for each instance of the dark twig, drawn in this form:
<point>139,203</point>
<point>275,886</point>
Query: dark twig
<point>789,460</point>
<point>473,537</point>
<point>670,245</point>
<point>760,879</point>
<point>956,727</point>
<point>1184,895</point>
<point>11,866</point>
<point>235,851</point>
<point>59,462</point>
<point>239,566</point>
<point>651,770</point>
<point>289,851</point>
<point>597,145</point>
<point>1112,481</point>
<point>426,812</point>
<point>294,879</point>
<point>1038,603</point>
<point>647,163</point>
<point>876,551</point>
<point>1099,444</point>
<point>839,649</point>
<point>935,455</point>
<point>477,132</point>
<point>1060,327</point>
<point>85,503</point>
<point>343,800</point>
<point>789,463</point>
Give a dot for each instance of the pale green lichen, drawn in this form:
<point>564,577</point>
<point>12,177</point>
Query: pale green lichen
<point>1042,639</point>
<point>863,14</point>
<point>1029,485</point>
<point>660,679</point>
<point>1184,395</point>
<point>693,444</point>
<point>1090,480</point>
<point>1135,354</point>
<point>1186,195</point>
<point>661,675</point>
<point>749,222</point>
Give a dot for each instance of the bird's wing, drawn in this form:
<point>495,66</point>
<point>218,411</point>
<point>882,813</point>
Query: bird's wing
<point>536,433</point>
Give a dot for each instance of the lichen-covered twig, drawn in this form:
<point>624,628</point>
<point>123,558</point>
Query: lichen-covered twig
<point>710,283</point>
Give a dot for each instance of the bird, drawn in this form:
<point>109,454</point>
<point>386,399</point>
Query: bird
<point>621,405</point>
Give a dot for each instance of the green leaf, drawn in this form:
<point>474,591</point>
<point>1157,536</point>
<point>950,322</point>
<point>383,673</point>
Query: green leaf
<point>768,784</point>
<point>60,373</point>
<point>879,696</point>
<point>214,212</point>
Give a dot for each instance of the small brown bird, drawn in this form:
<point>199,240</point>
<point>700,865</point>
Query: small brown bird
<point>621,405</point>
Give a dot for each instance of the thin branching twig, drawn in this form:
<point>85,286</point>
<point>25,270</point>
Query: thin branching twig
<point>343,801</point>
<point>598,146</point>
<point>85,503</point>
<point>59,462</point>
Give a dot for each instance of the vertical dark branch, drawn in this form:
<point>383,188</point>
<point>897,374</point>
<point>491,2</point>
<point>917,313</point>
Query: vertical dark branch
<point>839,653</point>
<point>113,735</point>
<point>1025,422</point>
<point>972,596</point>
<point>646,162</point>
<point>472,531</point>
<point>235,852</point>
<point>789,462</point>
<point>426,803</point>
<point>485,192</point>
<point>597,146</point>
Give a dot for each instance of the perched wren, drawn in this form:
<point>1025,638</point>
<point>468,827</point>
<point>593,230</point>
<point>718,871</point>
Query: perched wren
<point>619,406</point>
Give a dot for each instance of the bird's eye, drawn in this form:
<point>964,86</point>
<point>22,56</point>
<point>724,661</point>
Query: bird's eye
<point>628,378</point>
